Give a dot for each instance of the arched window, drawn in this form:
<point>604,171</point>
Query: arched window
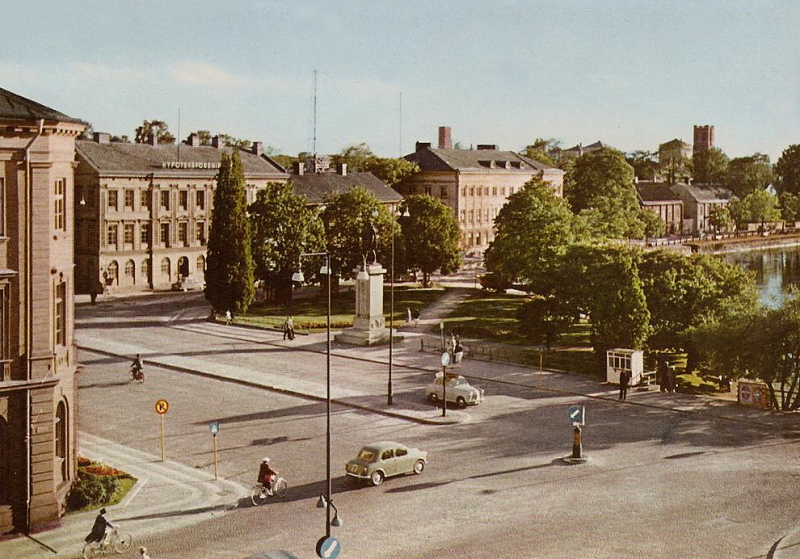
<point>62,441</point>
<point>113,271</point>
<point>130,272</point>
<point>165,268</point>
<point>146,270</point>
<point>201,265</point>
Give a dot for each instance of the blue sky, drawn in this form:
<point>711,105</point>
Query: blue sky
<point>630,73</point>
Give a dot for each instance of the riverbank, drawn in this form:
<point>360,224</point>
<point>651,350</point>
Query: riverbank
<point>732,243</point>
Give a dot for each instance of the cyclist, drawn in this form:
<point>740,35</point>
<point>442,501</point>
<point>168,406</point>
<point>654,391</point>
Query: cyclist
<point>266,475</point>
<point>100,528</point>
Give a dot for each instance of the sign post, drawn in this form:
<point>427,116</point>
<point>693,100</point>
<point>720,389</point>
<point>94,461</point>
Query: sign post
<point>214,427</point>
<point>577,416</point>
<point>161,408</point>
<point>445,363</point>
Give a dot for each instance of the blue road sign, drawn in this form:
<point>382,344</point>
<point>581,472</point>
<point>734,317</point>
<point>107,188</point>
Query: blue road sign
<point>446,359</point>
<point>576,415</point>
<point>214,426</point>
<point>328,548</point>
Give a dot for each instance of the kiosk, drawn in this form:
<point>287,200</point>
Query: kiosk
<point>620,359</point>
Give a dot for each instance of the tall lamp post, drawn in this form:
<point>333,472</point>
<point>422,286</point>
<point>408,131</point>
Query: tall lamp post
<point>403,213</point>
<point>325,501</point>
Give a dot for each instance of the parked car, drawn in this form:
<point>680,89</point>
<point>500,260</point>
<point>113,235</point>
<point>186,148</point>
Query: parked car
<point>380,460</point>
<point>188,284</point>
<point>459,391</point>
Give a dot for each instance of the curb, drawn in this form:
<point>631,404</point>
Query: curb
<point>289,392</point>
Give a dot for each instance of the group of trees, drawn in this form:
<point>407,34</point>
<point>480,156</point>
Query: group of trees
<point>264,241</point>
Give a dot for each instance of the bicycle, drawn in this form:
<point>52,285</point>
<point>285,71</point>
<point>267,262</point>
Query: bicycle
<point>259,493</point>
<point>116,540</point>
<point>137,375</point>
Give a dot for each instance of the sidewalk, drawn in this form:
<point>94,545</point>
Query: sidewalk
<point>167,495</point>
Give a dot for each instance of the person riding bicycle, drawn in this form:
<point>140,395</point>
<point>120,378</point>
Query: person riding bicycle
<point>266,475</point>
<point>137,366</point>
<point>100,529</point>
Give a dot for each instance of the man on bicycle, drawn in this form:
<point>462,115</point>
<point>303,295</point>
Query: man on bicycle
<point>100,528</point>
<point>266,475</point>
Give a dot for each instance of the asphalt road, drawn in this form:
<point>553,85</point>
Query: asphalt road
<point>660,483</point>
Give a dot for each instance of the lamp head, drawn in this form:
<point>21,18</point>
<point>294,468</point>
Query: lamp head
<point>322,503</point>
<point>336,520</point>
<point>298,276</point>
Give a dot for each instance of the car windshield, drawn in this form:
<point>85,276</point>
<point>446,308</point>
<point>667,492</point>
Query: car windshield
<point>366,455</point>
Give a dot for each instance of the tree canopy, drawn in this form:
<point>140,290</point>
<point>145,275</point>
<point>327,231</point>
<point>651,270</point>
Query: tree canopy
<point>229,267</point>
<point>644,163</point>
<point>430,234</point>
<point>757,207</point>
<point>145,132</point>
<point>749,174</point>
<point>359,157</point>
<point>282,227</point>
<point>543,150</point>
<point>787,170</point>
<point>709,166</point>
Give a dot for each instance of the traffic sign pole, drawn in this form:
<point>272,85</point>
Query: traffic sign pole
<point>215,456</point>
<point>162,437</point>
<point>576,442</point>
<point>161,408</point>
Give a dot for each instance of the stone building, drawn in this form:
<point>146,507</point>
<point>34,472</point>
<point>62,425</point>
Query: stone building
<point>475,183</point>
<point>699,200</point>
<point>316,187</point>
<point>580,149</point>
<point>144,210</point>
<point>38,393</point>
<point>703,138</point>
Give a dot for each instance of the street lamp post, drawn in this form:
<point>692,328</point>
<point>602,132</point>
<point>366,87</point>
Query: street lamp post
<point>403,213</point>
<point>325,501</point>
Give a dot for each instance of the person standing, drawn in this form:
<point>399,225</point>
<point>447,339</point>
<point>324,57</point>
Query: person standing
<point>143,553</point>
<point>415,316</point>
<point>663,375</point>
<point>228,317</point>
<point>408,316</point>
<point>624,380</point>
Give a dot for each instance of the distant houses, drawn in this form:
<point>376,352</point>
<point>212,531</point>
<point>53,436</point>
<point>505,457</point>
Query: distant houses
<point>683,207</point>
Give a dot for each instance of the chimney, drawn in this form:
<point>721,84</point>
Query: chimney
<point>492,147</point>
<point>445,138</point>
<point>102,138</point>
<point>153,139</point>
<point>422,145</point>
<point>341,168</point>
<point>256,149</point>
<point>299,167</point>
<point>193,140</point>
<point>216,142</point>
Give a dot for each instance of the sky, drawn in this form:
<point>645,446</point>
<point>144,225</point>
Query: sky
<point>632,74</point>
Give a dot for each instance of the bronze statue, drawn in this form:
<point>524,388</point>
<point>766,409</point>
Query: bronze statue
<point>369,242</point>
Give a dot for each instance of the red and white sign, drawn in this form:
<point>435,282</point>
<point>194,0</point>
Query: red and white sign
<point>753,394</point>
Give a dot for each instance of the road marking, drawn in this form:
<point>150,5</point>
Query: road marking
<point>133,492</point>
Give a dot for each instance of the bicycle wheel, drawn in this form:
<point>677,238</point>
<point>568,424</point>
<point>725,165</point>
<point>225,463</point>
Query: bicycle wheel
<point>123,542</point>
<point>90,550</point>
<point>258,495</point>
<point>280,487</point>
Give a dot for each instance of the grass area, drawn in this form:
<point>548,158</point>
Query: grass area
<point>488,316</point>
<point>310,313</point>
<point>98,485</point>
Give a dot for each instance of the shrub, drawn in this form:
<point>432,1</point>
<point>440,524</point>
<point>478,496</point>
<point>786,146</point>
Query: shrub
<point>91,490</point>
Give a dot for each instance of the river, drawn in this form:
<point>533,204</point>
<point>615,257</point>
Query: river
<point>776,270</point>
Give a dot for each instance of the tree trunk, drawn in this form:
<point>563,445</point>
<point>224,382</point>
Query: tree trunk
<point>426,279</point>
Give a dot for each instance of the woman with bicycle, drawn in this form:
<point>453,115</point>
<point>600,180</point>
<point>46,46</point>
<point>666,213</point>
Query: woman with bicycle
<point>266,475</point>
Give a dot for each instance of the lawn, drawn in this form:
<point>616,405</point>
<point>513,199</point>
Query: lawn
<point>309,312</point>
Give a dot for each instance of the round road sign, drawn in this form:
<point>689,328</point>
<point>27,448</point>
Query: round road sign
<point>445,359</point>
<point>328,548</point>
<point>161,407</point>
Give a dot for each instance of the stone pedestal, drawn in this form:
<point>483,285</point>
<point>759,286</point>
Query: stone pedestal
<point>369,327</point>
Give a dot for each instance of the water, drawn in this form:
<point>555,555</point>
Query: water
<point>776,270</point>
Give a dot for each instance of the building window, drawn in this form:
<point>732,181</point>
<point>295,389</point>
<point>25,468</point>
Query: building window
<point>183,234</point>
<point>463,216</point>
<point>464,191</point>
<point>59,205</point>
<point>165,268</point>
<point>5,461</point>
<point>494,191</point>
<point>130,271</point>
<point>443,192</point>
<point>144,234</point>
<point>127,234</point>
<point>2,206</point>
<point>165,199</point>
<point>477,239</point>
<point>502,190</point>
<point>183,198</point>
<point>128,199</point>
<point>165,234</point>
<point>144,199</point>
<point>472,191</point>
<point>471,216</point>
<point>113,272</point>
<point>200,199</point>
<point>111,239</point>
<point>112,199</point>
<point>200,265</point>
<point>60,318</point>
<point>61,439</point>
<point>146,270</point>
<point>510,190</point>
<point>200,232</point>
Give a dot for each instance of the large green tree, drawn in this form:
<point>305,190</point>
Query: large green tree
<point>229,268</point>
<point>282,227</point>
<point>644,163</point>
<point>543,150</point>
<point>787,171</point>
<point>709,166</point>
<point>533,228</point>
<point>359,157</point>
<point>749,174</point>
<point>145,132</point>
<point>757,207</point>
<point>602,182</point>
<point>430,236</point>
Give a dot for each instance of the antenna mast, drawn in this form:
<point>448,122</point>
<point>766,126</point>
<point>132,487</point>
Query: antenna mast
<point>179,133</point>
<point>400,140</point>
<point>315,122</point>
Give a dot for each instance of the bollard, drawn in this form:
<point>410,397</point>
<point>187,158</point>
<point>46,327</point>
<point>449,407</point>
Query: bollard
<point>576,442</point>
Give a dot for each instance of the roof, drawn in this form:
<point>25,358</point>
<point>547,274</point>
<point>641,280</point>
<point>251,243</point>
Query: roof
<point>675,142</point>
<point>598,145</point>
<point>707,192</point>
<point>382,445</point>
<point>317,186</point>
<point>123,158</point>
<point>487,160</point>
<point>649,191</point>
<point>17,106</point>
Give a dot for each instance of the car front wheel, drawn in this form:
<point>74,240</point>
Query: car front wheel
<point>419,466</point>
<point>433,397</point>
<point>462,403</point>
<point>376,478</point>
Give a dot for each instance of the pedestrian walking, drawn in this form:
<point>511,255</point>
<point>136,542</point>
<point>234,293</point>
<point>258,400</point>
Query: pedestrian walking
<point>228,317</point>
<point>408,316</point>
<point>143,553</point>
<point>415,316</point>
<point>663,375</point>
<point>458,351</point>
<point>288,328</point>
<point>624,379</point>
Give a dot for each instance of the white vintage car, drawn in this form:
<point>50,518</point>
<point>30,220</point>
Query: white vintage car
<point>458,391</point>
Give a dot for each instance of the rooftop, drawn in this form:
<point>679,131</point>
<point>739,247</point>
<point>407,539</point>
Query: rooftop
<point>16,106</point>
<point>650,191</point>
<point>317,186</point>
<point>488,160</point>
<point>707,192</point>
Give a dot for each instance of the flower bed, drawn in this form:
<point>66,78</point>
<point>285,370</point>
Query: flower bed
<point>98,485</point>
